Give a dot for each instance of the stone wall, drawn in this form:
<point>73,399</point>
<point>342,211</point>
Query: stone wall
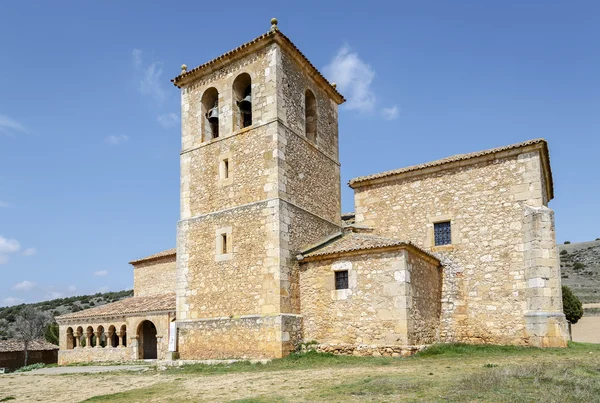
<point>393,299</point>
<point>127,351</point>
<point>154,277</point>
<point>252,336</point>
<point>485,199</point>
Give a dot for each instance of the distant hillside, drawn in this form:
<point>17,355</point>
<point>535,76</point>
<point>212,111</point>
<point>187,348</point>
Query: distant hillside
<point>59,306</point>
<point>580,269</point>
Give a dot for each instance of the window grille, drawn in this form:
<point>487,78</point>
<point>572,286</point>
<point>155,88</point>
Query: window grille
<point>442,233</point>
<point>341,280</point>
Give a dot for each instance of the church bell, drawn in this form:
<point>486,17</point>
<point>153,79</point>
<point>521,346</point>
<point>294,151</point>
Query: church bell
<point>213,114</point>
<point>245,104</point>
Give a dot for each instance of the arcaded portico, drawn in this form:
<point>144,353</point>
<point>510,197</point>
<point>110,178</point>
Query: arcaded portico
<point>132,329</point>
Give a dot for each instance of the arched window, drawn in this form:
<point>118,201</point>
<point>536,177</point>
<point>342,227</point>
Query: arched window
<point>310,115</point>
<point>242,96</point>
<point>210,114</point>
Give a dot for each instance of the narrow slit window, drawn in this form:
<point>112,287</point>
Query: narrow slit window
<point>442,232</point>
<point>341,280</point>
<point>223,244</point>
<point>225,168</point>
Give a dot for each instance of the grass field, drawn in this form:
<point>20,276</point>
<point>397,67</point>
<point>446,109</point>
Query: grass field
<point>455,373</point>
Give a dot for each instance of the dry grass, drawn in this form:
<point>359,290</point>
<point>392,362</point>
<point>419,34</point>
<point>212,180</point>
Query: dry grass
<point>454,373</point>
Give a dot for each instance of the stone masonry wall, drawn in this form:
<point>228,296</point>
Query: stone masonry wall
<point>252,336</point>
<point>426,295</point>
<point>484,286</point>
<point>155,277</point>
<point>378,307</point>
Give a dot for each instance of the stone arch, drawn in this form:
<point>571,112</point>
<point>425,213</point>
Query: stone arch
<point>124,335</point>
<point>242,94</point>
<point>147,344</point>
<point>79,336</point>
<point>310,115</point>
<point>89,336</point>
<point>210,117</point>
<point>112,338</point>
<point>100,337</point>
<point>70,339</point>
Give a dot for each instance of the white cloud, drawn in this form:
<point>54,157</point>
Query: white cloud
<point>72,288</point>
<point>8,246</point>
<point>148,77</point>
<point>54,294</point>
<point>101,273</point>
<point>116,140</point>
<point>104,288</point>
<point>353,77</point>
<point>25,285</point>
<point>10,126</point>
<point>29,252</point>
<point>11,301</point>
<point>4,204</point>
<point>168,120</point>
<point>390,113</point>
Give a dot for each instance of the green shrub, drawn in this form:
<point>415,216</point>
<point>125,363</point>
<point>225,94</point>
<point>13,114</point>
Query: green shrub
<point>31,367</point>
<point>564,252</point>
<point>571,305</point>
<point>567,242</point>
<point>578,266</point>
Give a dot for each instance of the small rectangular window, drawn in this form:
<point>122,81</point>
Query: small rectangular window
<point>442,232</point>
<point>341,280</point>
<point>225,168</point>
<point>223,244</point>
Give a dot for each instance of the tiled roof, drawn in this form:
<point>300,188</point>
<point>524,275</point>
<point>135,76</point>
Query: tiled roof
<point>454,158</point>
<point>271,35</point>
<point>17,345</point>
<point>151,303</point>
<point>164,253</point>
<point>351,241</point>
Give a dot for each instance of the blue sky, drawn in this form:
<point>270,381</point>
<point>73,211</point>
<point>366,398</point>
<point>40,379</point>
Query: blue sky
<point>89,130</point>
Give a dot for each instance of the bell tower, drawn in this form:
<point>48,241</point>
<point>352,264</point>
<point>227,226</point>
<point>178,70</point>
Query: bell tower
<point>260,179</point>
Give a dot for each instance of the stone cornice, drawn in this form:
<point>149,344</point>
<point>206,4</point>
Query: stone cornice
<point>405,246</point>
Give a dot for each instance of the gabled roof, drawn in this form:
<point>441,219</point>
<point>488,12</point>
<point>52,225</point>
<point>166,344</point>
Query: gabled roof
<point>274,35</point>
<point>541,143</point>
<point>164,253</point>
<point>127,306</point>
<point>12,345</point>
<point>350,242</point>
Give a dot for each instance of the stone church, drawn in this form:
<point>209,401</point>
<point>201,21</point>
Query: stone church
<point>460,249</point>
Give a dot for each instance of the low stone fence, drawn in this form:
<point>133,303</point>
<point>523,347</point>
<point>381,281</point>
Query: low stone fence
<point>94,354</point>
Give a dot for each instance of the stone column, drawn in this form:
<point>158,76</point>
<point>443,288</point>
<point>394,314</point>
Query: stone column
<point>545,322</point>
<point>77,337</point>
<point>88,340</point>
<point>109,341</point>
<point>98,334</point>
<point>120,334</point>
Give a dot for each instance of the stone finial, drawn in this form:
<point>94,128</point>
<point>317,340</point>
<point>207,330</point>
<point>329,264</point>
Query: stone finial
<point>334,85</point>
<point>274,24</point>
<point>183,68</point>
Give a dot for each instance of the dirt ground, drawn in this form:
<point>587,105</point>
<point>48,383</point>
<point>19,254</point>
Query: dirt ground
<point>427,379</point>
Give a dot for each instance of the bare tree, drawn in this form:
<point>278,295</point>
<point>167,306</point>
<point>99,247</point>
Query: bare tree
<point>29,326</point>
